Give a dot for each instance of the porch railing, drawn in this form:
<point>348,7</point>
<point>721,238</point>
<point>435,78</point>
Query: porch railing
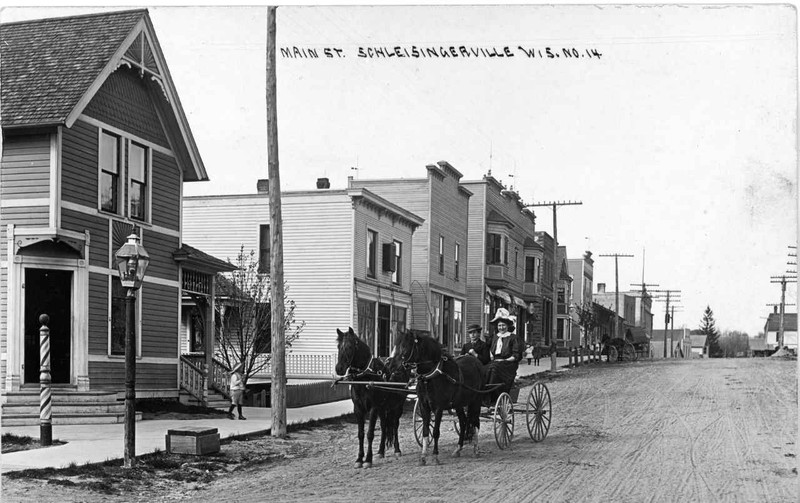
<point>192,378</point>
<point>220,378</point>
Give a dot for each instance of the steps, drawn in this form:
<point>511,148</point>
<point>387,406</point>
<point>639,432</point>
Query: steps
<point>21,408</point>
<point>215,400</point>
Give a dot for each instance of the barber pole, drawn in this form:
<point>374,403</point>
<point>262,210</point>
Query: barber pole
<point>45,401</point>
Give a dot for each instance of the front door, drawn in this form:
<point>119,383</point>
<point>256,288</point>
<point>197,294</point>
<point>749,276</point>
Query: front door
<point>48,292</point>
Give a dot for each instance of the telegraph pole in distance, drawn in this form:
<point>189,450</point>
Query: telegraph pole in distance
<point>666,312</point>
<point>782,280</point>
<point>554,330</point>
<point>616,288</point>
<point>278,385</point>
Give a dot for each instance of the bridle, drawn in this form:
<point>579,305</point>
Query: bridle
<point>358,372</point>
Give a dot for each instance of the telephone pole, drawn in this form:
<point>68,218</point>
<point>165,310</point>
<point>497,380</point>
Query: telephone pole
<point>782,280</point>
<point>554,314</point>
<point>616,288</point>
<point>671,295</point>
<point>278,385</point>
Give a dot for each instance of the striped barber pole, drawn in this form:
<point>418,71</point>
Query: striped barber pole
<point>45,400</point>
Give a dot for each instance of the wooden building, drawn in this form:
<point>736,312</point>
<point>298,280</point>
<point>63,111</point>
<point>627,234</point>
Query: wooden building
<point>347,261</point>
<point>95,145</point>
<point>501,263</point>
<point>439,253</point>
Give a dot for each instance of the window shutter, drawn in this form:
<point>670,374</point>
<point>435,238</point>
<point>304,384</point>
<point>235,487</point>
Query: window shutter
<point>389,258</point>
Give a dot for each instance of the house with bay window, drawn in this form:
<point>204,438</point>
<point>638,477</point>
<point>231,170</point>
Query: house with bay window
<point>96,146</point>
<point>346,259</point>
<point>439,253</point>
<point>502,257</point>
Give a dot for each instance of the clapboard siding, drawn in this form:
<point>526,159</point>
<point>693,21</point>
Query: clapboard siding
<point>79,164</point>
<point>160,247</point>
<point>97,226</point>
<point>476,252</point>
<point>317,243</point>
<point>220,225</point>
<point>98,314</point>
<point>123,102</point>
<point>166,204</point>
<point>25,169</point>
<point>317,260</point>
<point>448,207</point>
<point>27,216</point>
<point>111,375</point>
<point>159,320</point>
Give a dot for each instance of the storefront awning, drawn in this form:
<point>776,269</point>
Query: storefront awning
<point>503,295</point>
<point>521,303</point>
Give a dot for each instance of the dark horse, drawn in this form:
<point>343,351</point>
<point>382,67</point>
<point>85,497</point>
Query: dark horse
<point>443,383</point>
<point>356,363</point>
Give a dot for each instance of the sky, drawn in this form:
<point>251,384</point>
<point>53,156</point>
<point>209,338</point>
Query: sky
<point>679,140</point>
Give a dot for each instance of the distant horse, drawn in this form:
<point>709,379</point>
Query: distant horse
<point>443,383</point>
<point>356,363</point>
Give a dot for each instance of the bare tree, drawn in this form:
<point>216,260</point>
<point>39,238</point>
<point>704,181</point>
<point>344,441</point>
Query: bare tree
<point>587,320</point>
<point>243,313</point>
<point>733,343</point>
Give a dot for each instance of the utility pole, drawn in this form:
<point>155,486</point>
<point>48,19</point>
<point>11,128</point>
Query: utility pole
<point>278,386</point>
<point>782,280</point>
<point>616,288</point>
<point>554,332</point>
<point>671,295</point>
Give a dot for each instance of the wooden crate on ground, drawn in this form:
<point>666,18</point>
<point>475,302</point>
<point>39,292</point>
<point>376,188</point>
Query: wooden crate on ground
<point>192,440</point>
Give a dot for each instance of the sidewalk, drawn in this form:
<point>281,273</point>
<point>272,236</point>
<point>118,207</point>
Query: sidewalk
<point>93,443</point>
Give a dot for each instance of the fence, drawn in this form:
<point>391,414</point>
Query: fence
<point>300,366</point>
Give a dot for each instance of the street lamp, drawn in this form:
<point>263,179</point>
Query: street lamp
<point>132,261</point>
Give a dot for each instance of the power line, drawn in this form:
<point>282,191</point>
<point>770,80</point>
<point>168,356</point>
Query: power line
<point>616,287</point>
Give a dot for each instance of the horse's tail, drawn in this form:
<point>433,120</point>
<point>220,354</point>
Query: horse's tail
<point>388,422</point>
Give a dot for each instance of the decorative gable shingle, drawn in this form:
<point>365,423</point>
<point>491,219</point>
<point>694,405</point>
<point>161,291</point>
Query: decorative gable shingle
<point>47,65</point>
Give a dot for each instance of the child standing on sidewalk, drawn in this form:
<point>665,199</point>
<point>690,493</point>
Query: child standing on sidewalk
<point>237,391</point>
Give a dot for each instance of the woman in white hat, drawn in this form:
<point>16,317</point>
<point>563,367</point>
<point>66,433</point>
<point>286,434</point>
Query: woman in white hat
<point>505,351</point>
<point>237,391</point>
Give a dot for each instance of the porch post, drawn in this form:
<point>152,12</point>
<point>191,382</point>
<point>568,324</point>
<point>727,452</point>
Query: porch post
<point>209,340</point>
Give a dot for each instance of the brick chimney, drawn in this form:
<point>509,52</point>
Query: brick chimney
<point>601,288</point>
<point>262,186</point>
<point>323,183</point>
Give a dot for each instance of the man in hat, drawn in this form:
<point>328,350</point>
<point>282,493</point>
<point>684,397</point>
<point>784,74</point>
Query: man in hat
<point>237,391</point>
<point>505,351</point>
<point>476,346</point>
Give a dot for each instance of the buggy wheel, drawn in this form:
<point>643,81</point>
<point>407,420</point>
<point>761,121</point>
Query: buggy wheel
<point>503,421</point>
<point>418,422</point>
<point>538,412</point>
<point>629,352</point>
<point>613,354</point>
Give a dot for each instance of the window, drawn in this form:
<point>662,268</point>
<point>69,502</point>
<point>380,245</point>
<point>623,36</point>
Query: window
<point>516,261</point>
<point>459,336</point>
<point>457,259</point>
<point>372,247</point>
<point>493,246</point>
<point>436,316</point>
<point>118,295</point>
<point>264,243</point>
<point>530,269</point>
<point>441,254</point>
<point>109,161</point>
<point>398,320</point>
<point>137,171</point>
<point>505,250</point>
<point>397,275</point>
<point>366,320</point>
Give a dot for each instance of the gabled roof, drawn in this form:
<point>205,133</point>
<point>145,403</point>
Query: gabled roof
<point>200,260</point>
<point>789,322</point>
<point>51,68</point>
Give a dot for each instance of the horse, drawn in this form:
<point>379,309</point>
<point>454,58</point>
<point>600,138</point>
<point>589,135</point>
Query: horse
<point>443,382</point>
<point>356,363</point>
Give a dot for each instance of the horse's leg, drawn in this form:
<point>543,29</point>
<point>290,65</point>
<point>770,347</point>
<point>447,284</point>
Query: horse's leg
<point>462,431</point>
<point>426,433</point>
<point>436,425</point>
<point>373,418</point>
<point>383,416</point>
<point>474,423</point>
<point>360,421</point>
<point>395,425</point>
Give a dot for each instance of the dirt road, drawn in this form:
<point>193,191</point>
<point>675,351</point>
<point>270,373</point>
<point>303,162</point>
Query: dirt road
<point>702,430</point>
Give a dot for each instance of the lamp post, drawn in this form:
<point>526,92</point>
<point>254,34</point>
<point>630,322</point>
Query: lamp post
<point>131,260</point>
